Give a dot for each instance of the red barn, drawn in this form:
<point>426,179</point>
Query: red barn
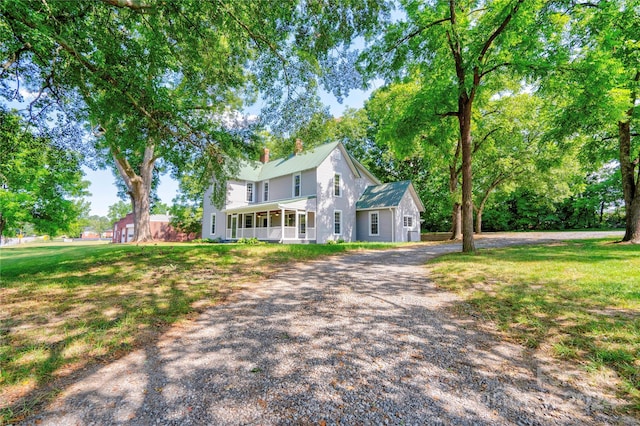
<point>161,230</point>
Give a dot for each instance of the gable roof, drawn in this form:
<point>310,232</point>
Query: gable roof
<point>387,195</point>
<point>255,170</point>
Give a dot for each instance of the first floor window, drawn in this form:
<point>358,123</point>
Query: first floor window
<point>250,192</point>
<point>213,224</point>
<point>302,224</point>
<point>248,221</point>
<point>374,218</point>
<point>408,222</point>
<point>337,222</point>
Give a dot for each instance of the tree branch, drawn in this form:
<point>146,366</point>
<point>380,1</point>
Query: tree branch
<point>476,146</point>
<point>493,68</point>
<point>499,30</point>
<point>14,57</point>
<point>257,38</point>
<point>477,76</point>
<point>136,5</point>
<point>449,114</point>
<point>416,32</point>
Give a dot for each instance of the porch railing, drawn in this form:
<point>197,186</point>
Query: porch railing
<point>271,234</point>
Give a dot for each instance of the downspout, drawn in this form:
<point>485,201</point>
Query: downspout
<point>393,223</point>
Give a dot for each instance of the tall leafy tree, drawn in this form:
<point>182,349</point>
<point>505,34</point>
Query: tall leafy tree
<point>455,49</point>
<point>437,148</point>
<point>515,151</point>
<point>40,182</point>
<point>156,80</point>
<point>601,91</point>
<point>118,210</point>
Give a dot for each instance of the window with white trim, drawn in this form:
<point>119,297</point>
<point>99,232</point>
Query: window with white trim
<point>250,192</point>
<point>408,222</point>
<point>213,223</point>
<point>302,224</point>
<point>265,191</point>
<point>337,183</point>
<point>297,180</point>
<point>374,224</point>
<point>337,222</point>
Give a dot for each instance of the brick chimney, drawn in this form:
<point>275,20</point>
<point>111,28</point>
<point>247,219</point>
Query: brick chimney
<point>298,148</point>
<point>264,157</point>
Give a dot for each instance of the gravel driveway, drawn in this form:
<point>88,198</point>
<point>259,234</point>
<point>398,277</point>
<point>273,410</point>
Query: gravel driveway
<point>362,338</point>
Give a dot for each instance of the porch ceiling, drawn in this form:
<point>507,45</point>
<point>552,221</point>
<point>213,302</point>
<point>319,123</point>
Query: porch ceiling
<point>295,204</point>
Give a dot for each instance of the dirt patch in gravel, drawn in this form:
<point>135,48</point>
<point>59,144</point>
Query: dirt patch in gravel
<point>362,338</point>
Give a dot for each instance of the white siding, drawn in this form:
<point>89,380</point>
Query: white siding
<point>308,183</point>
<point>352,189</point>
<point>208,209</point>
<point>280,188</point>
<point>236,196</point>
<point>385,226</point>
<point>407,207</point>
<point>236,193</point>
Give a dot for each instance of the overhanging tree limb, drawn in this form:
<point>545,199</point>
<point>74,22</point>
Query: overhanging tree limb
<point>136,5</point>
<point>417,32</point>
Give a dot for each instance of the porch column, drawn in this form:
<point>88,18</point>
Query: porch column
<point>254,224</point>
<point>282,223</point>
<point>306,225</point>
<point>268,223</point>
<point>297,224</point>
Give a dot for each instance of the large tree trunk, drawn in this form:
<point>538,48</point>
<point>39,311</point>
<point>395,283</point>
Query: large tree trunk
<point>456,214</point>
<point>480,210</point>
<point>464,118</point>
<point>479,221</point>
<point>456,222</point>
<point>629,184</point>
<point>497,181</point>
<point>139,190</point>
<point>3,222</point>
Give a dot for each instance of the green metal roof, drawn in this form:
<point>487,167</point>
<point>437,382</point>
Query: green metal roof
<point>384,195</point>
<point>256,171</point>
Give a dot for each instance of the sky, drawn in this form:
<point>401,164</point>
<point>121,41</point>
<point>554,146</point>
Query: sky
<point>104,192</point>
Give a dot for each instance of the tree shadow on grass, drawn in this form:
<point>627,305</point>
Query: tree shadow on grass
<point>66,310</point>
<point>355,340</point>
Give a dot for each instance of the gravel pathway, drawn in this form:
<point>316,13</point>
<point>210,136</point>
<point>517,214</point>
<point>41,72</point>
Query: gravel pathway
<point>363,338</point>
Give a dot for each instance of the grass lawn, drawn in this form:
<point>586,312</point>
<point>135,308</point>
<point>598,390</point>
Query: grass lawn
<point>65,306</point>
<point>577,300</point>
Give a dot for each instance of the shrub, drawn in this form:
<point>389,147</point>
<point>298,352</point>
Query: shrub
<point>250,241</point>
<point>340,241</point>
<point>206,240</point>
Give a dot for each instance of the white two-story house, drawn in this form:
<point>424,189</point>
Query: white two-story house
<point>313,196</point>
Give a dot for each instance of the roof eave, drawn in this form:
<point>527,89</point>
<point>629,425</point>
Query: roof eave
<point>416,198</point>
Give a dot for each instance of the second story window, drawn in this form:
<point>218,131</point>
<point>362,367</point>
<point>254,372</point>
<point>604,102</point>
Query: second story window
<point>296,185</point>
<point>265,187</point>
<point>250,192</point>
<point>337,192</point>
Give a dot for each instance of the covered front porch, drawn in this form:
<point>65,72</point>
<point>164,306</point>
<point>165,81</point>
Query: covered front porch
<point>284,222</point>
